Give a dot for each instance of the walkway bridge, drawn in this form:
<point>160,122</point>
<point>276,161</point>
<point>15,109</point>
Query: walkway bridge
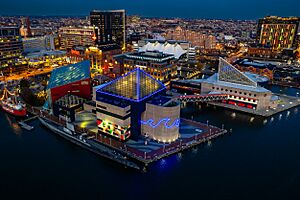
<point>201,98</point>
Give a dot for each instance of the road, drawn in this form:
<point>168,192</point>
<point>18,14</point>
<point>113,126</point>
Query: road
<point>27,74</point>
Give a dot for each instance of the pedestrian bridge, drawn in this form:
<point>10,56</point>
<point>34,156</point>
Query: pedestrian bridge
<point>201,98</point>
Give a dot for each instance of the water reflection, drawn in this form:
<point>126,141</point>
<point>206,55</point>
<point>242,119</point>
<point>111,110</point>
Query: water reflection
<point>13,124</point>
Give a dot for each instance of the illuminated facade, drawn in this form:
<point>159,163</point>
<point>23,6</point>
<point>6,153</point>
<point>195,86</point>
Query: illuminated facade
<point>159,65</point>
<point>203,41</point>
<point>70,37</point>
<point>101,57</point>
<point>278,32</point>
<point>11,47</point>
<point>242,88</point>
<point>111,25</point>
<point>132,105</point>
<point>73,79</point>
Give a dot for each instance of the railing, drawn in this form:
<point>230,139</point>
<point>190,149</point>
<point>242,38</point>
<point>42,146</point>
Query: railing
<point>202,98</point>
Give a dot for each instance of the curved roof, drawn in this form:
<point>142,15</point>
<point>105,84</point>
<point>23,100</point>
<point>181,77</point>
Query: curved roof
<point>167,48</point>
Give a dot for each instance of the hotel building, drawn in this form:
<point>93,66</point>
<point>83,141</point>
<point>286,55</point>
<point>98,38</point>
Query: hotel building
<point>111,25</point>
<point>278,32</point>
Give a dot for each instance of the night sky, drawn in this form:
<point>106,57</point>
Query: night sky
<point>210,9</point>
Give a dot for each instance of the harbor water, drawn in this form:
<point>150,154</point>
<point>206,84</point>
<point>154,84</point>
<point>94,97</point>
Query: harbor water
<point>260,159</point>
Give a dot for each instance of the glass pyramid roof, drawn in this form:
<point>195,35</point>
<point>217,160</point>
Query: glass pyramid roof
<point>228,73</point>
<point>136,85</point>
<point>69,74</point>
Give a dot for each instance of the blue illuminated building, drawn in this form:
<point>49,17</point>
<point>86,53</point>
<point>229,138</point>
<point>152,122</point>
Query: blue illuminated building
<point>134,105</point>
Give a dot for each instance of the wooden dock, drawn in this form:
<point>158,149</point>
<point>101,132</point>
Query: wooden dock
<point>24,124</point>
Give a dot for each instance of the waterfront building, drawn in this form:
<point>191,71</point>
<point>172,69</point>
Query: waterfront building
<point>243,89</point>
<point>73,79</point>
<point>70,37</point>
<point>135,105</point>
<point>111,27</point>
<point>180,49</point>
<point>11,48</point>
<point>278,32</point>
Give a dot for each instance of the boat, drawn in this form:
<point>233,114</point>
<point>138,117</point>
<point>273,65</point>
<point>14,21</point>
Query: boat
<point>16,109</point>
<point>86,142</point>
<point>11,105</point>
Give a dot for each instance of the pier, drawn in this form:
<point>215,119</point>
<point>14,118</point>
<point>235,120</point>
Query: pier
<point>24,124</point>
<point>145,150</point>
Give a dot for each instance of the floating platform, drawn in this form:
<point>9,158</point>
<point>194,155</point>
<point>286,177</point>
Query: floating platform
<point>25,126</point>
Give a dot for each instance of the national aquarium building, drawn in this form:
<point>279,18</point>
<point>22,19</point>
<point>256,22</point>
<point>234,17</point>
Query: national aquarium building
<point>134,105</point>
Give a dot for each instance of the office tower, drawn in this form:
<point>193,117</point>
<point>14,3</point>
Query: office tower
<point>277,32</point>
<point>11,47</point>
<point>70,37</point>
<point>111,26</point>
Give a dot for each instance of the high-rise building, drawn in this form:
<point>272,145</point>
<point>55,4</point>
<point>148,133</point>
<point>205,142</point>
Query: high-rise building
<point>278,32</point>
<point>11,47</point>
<point>70,37</point>
<point>111,26</point>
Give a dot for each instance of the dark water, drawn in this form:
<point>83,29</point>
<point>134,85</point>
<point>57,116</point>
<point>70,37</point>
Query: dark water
<point>259,160</point>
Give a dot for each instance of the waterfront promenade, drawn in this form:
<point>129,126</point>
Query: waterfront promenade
<point>192,133</point>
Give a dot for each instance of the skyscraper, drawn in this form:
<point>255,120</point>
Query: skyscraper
<point>278,32</point>
<point>111,26</point>
<point>11,47</point>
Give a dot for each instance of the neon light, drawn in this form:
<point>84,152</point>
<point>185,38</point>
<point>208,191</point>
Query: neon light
<point>150,122</point>
<point>138,86</point>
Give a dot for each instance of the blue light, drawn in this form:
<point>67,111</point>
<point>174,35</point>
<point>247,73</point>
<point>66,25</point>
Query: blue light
<point>99,90</point>
<point>138,85</point>
<point>166,121</point>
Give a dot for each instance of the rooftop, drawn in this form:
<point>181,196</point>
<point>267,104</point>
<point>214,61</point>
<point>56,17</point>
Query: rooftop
<point>166,47</point>
<point>214,80</point>
<point>150,56</point>
<point>135,86</point>
<point>69,74</point>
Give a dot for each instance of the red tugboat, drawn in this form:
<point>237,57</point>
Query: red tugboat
<point>11,105</point>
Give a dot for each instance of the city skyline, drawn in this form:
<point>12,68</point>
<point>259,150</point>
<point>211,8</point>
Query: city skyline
<point>218,9</point>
